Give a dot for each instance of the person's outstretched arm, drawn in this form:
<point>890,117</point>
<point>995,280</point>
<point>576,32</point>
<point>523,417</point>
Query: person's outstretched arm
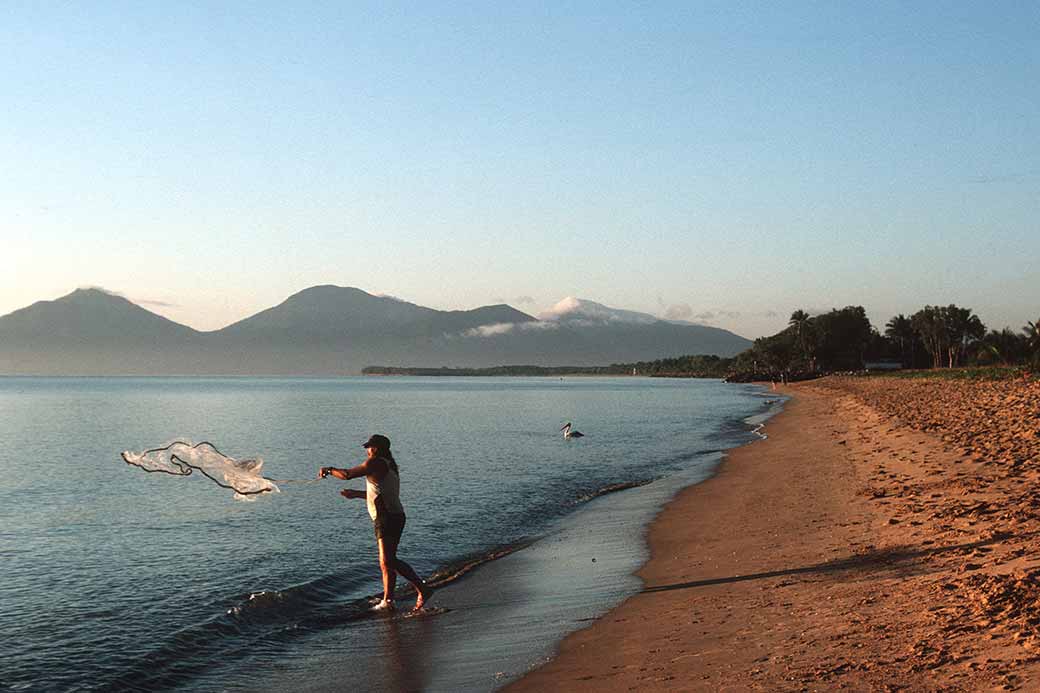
<point>345,474</point>
<point>375,467</point>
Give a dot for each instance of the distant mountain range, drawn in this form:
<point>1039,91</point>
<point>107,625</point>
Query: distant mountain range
<point>331,330</point>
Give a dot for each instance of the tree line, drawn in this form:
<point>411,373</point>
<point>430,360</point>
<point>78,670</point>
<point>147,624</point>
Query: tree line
<point>541,371</point>
<point>844,340</point>
<point>841,339</point>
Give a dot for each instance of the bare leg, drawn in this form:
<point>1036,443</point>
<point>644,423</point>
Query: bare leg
<point>387,559</point>
<point>388,547</point>
<point>407,572</point>
<point>422,590</point>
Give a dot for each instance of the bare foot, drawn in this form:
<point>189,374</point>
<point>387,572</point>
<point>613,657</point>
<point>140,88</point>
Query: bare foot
<point>424,594</point>
<point>384,606</point>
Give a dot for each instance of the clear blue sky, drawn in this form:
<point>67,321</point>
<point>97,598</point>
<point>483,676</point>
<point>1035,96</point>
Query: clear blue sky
<point>729,161</point>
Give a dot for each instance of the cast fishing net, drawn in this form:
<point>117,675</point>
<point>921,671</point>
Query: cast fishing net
<point>181,459</point>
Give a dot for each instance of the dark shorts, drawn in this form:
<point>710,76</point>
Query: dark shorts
<point>389,526</point>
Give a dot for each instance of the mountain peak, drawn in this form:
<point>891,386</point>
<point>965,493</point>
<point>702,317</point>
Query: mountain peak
<point>572,308</point>
<point>328,311</point>
<point>93,294</point>
<point>329,290</point>
<point>331,330</point>
<point>84,317</point>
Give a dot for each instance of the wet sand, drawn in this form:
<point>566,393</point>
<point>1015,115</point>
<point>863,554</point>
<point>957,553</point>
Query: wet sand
<point>503,618</point>
<point>884,537</point>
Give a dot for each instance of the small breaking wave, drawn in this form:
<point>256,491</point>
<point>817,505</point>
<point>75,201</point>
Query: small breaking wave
<point>270,618</point>
<point>611,488</point>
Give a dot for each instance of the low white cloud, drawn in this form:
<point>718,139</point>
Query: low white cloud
<point>381,294</point>
<point>519,300</point>
<point>575,310</point>
<point>684,312</point>
<point>717,314</point>
<point>679,311</point>
<point>490,330</point>
<point>500,328</point>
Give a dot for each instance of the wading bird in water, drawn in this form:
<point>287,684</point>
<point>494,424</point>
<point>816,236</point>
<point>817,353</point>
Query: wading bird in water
<point>568,433</point>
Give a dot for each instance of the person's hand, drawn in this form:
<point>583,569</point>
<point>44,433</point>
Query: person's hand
<point>323,472</point>
<point>347,493</point>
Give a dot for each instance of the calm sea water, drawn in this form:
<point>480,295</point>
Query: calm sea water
<point>115,579</point>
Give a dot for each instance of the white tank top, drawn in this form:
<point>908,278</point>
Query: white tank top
<point>389,489</point>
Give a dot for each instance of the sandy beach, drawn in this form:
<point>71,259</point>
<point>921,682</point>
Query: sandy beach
<point>883,537</point>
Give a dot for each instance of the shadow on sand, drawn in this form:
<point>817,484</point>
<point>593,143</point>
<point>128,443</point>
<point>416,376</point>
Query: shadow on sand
<point>895,558</point>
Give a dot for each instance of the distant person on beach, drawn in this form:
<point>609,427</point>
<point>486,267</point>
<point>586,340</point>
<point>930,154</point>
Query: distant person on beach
<point>382,493</point>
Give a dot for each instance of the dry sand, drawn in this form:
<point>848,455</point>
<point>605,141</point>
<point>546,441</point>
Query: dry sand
<point>884,537</point>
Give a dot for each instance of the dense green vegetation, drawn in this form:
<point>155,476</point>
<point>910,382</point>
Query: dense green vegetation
<point>942,339</point>
<point>496,370</point>
<point>935,337</point>
<point>700,366</point>
<point>684,366</point>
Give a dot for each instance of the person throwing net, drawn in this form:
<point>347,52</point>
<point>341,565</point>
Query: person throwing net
<point>382,494</point>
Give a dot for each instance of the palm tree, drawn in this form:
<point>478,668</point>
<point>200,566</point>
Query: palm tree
<point>901,330</point>
<point>798,319</point>
<point>929,326</point>
<point>947,331</point>
<point>1004,346</point>
<point>802,324</point>
<point>962,328</point>
<point>1032,331</point>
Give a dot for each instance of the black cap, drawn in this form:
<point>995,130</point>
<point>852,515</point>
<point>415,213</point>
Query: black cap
<point>377,441</point>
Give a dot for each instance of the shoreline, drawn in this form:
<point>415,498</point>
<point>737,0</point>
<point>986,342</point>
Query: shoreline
<point>830,554</point>
<point>508,615</point>
<point>482,631</point>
